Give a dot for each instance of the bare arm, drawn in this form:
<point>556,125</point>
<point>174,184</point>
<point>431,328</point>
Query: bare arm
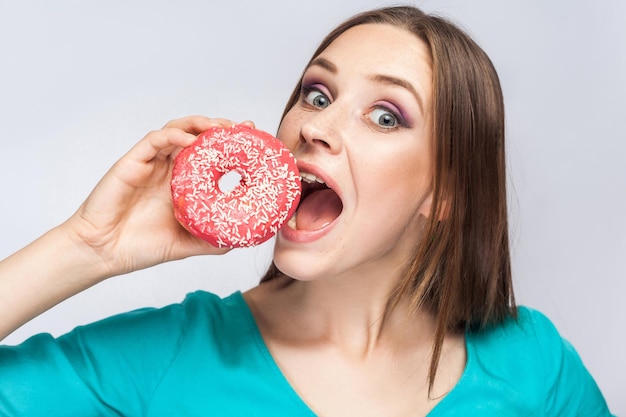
<point>125,224</point>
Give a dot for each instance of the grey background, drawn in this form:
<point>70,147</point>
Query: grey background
<point>81,82</point>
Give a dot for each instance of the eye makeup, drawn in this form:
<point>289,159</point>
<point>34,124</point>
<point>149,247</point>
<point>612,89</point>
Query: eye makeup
<point>393,110</point>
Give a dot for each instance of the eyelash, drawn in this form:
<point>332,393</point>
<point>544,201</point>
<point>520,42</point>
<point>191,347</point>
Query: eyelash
<point>399,119</point>
<point>306,90</point>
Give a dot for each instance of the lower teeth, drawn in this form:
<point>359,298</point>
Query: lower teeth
<point>292,222</point>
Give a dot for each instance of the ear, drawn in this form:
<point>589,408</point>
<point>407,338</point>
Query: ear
<point>443,211</point>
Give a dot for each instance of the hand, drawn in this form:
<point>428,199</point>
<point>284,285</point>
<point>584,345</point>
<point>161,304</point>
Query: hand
<point>128,218</point>
<point>126,223</point>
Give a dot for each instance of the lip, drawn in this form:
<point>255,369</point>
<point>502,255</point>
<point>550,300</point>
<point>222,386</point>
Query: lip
<point>304,166</point>
<point>305,236</point>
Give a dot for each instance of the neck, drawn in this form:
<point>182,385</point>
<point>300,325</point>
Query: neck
<point>351,313</point>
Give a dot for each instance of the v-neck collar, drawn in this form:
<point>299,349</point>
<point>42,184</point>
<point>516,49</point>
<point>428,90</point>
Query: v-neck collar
<point>265,354</point>
<point>444,406</point>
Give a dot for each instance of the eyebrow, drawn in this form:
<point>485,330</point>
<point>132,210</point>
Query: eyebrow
<point>379,78</point>
<point>324,63</point>
<point>390,80</point>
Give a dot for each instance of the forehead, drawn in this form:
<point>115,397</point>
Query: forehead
<point>383,49</point>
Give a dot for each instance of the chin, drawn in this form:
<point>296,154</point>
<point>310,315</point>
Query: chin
<point>300,266</point>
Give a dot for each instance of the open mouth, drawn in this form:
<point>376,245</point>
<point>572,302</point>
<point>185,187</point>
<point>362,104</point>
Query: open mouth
<point>319,205</point>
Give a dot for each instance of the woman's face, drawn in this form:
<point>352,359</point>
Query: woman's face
<point>361,134</point>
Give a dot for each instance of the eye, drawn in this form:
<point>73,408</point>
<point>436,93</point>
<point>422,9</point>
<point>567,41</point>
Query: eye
<point>384,118</point>
<point>315,98</point>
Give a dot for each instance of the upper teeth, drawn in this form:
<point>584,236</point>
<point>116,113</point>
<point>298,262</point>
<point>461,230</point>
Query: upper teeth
<point>310,178</point>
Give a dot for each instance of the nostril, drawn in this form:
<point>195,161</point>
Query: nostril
<point>318,132</point>
<point>322,143</point>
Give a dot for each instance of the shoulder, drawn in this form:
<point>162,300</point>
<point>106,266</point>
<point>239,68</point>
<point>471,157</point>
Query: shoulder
<point>530,332</point>
<point>211,317</point>
<point>150,340</point>
<point>162,321</point>
<point>526,360</point>
<point>201,315</point>
<point>148,334</point>
<point>133,353</point>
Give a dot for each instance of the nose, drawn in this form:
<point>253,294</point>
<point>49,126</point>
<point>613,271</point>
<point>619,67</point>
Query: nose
<point>324,129</point>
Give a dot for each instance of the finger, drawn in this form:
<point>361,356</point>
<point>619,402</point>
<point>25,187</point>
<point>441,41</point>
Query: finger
<point>200,247</point>
<point>198,124</point>
<point>160,144</point>
<point>249,123</point>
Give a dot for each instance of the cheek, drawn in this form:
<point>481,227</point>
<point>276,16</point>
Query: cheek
<point>401,170</point>
<point>399,186</point>
<point>289,129</point>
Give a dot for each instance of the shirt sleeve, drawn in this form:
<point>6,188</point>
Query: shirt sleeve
<point>571,390</point>
<point>109,368</point>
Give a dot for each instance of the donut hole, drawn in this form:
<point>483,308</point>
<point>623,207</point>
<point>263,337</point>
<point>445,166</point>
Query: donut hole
<point>229,181</point>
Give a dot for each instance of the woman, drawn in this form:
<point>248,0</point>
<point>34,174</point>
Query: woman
<point>390,293</point>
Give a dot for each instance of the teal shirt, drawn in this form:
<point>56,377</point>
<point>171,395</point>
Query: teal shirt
<point>206,357</point>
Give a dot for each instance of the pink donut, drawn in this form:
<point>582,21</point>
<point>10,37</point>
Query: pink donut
<point>255,209</point>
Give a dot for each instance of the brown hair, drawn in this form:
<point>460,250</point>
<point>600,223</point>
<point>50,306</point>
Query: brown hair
<point>461,271</point>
